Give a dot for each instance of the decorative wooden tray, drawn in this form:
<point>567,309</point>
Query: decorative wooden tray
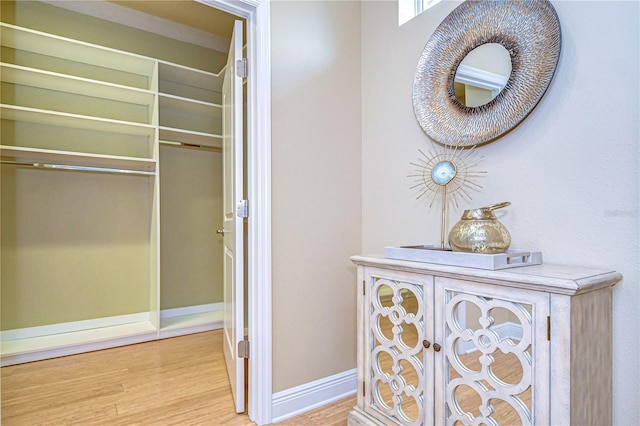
<point>434,254</point>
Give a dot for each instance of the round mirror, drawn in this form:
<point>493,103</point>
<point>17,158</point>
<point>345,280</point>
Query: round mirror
<point>529,31</point>
<point>482,74</point>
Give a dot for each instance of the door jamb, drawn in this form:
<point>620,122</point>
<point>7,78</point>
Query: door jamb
<point>257,15</point>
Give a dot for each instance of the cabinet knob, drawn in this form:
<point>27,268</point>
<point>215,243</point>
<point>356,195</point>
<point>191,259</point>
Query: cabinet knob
<point>220,232</point>
<point>426,344</point>
<point>436,347</point>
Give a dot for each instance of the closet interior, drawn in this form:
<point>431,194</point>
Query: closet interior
<point>111,187</point>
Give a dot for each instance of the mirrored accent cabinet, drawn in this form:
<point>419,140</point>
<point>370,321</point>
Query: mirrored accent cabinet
<point>446,345</point>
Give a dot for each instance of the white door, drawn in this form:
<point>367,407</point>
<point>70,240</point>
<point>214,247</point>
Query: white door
<point>233,227</point>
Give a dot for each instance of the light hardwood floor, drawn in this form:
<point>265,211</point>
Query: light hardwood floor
<point>179,381</point>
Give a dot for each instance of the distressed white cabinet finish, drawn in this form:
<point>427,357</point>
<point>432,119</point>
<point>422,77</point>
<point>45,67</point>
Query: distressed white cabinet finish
<point>448,345</point>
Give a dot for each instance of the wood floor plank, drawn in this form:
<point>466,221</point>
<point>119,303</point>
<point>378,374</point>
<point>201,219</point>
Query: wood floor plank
<point>80,412</point>
<point>333,415</point>
<point>171,382</point>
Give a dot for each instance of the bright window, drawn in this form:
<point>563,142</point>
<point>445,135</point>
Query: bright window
<point>409,9</point>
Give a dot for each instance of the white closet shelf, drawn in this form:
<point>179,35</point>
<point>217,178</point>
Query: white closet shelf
<point>191,138</point>
<point>25,76</point>
<point>190,76</point>
<point>190,106</point>
<point>33,115</point>
<point>191,115</point>
<point>43,347</point>
<point>73,50</point>
<point>48,156</point>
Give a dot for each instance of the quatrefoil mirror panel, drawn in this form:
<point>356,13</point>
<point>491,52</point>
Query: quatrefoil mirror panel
<point>488,349</point>
<point>397,371</point>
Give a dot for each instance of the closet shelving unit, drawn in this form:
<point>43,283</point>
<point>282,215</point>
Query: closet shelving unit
<point>67,104</point>
<point>190,114</point>
<point>190,106</point>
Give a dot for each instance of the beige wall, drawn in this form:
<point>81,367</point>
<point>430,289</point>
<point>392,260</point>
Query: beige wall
<point>316,137</point>
<point>570,169</point>
<point>57,265</point>
<point>190,204</point>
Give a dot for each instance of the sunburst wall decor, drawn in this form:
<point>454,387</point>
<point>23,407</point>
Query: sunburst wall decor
<point>447,174</point>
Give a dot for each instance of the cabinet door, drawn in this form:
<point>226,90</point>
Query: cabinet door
<point>396,320</point>
<point>494,364</point>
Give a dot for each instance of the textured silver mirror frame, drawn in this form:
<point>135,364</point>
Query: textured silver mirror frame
<point>528,29</point>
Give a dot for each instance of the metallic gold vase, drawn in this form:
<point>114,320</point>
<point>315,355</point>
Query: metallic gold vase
<point>479,231</point>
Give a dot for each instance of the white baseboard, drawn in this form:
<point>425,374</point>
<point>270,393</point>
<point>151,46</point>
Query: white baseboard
<point>74,342</point>
<point>191,310</point>
<point>51,341</point>
<point>303,398</point>
<point>190,319</point>
<point>73,326</point>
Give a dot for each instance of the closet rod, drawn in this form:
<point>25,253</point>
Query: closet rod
<point>78,168</point>
<point>189,145</point>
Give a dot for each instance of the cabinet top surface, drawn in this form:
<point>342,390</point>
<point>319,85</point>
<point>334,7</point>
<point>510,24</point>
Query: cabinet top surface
<point>546,277</point>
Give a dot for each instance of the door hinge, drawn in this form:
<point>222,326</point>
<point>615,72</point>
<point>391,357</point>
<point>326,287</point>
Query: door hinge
<point>242,70</point>
<point>364,288</point>
<point>364,389</point>
<point>549,328</point>
<point>242,209</point>
<point>243,349</point>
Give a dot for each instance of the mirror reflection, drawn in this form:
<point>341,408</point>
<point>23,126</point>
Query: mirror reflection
<point>398,352</point>
<point>487,342</point>
<point>482,75</point>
